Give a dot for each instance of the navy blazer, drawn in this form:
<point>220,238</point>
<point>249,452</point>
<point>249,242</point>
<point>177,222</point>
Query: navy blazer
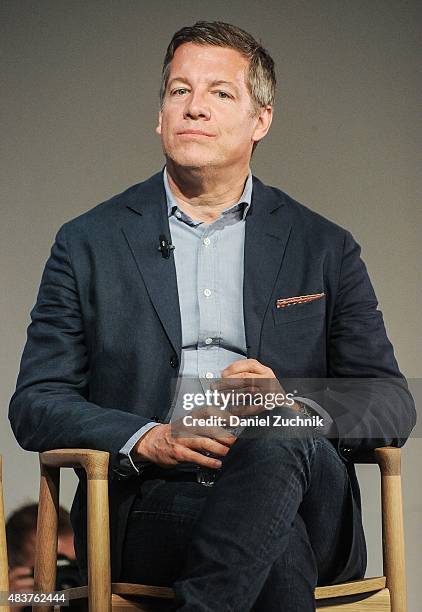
<point>105,339</point>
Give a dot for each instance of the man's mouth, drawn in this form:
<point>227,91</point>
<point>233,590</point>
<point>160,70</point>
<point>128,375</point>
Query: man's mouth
<point>195,133</point>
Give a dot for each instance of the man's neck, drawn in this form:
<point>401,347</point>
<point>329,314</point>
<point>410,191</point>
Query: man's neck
<point>205,194</point>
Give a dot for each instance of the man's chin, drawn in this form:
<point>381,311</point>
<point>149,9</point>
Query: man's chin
<point>193,162</point>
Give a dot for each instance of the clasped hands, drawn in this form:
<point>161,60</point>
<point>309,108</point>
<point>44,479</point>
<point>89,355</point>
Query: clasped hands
<point>165,444</point>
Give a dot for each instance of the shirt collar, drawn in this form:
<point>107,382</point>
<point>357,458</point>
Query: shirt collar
<point>240,207</point>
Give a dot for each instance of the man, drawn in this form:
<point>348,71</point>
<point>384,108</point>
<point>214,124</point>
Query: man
<point>204,272</point>
<point>21,532</point>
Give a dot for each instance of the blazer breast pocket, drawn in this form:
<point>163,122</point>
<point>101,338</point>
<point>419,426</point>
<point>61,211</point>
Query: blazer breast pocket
<point>299,311</point>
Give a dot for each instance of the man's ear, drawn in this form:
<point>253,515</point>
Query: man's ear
<point>158,128</point>
<point>264,119</point>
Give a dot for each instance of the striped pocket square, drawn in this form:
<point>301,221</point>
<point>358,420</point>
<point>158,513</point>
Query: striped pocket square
<point>299,299</point>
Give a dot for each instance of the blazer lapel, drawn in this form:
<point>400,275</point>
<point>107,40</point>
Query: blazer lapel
<point>266,239</point>
<point>147,219</point>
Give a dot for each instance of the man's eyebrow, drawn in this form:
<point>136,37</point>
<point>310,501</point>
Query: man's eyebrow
<point>229,83</point>
<point>181,79</point>
<point>212,83</point>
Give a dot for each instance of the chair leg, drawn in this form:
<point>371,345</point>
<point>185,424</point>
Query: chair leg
<point>99,578</point>
<point>393,533</point>
<point>392,527</point>
<point>45,564</point>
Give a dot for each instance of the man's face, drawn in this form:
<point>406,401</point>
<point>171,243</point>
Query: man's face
<point>207,117</point>
<point>65,547</point>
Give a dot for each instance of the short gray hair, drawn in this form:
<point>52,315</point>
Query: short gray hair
<point>260,80</point>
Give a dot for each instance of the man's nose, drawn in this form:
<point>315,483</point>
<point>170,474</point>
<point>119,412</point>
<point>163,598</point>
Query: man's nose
<point>196,107</point>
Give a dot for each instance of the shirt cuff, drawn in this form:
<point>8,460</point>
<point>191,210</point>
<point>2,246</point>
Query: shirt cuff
<point>328,421</point>
<point>128,447</point>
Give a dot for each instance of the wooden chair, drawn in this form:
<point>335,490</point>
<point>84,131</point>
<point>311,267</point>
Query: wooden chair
<point>4,566</point>
<point>380,594</point>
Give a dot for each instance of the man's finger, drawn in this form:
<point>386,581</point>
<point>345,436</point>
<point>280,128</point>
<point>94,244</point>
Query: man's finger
<point>200,424</point>
<point>235,381</point>
<point>23,585</point>
<point>20,571</point>
<point>244,365</point>
<point>247,410</point>
<point>208,445</point>
<point>195,431</point>
<point>191,456</point>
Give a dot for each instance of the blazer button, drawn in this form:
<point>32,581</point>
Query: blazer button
<point>174,362</point>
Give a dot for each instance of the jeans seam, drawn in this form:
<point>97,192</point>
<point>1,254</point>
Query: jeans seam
<point>163,515</point>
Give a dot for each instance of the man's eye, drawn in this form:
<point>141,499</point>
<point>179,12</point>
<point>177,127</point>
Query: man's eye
<point>223,95</point>
<point>179,91</point>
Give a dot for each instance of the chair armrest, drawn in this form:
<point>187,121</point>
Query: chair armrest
<point>388,459</point>
<point>95,463</point>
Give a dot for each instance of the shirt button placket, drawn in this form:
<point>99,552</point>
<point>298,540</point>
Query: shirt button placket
<point>207,305</point>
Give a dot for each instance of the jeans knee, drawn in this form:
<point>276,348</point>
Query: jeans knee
<point>268,453</point>
<point>276,445</point>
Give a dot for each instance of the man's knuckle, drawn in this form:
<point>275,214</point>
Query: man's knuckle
<point>177,453</point>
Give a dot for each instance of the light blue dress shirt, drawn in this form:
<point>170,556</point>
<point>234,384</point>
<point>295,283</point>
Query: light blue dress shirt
<point>209,261</point>
<point>209,270</point>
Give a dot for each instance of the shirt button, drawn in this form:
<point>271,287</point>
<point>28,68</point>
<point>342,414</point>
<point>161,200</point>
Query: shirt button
<point>174,362</point>
<point>209,375</point>
<point>207,241</point>
<point>207,292</point>
<point>178,214</point>
<point>208,340</point>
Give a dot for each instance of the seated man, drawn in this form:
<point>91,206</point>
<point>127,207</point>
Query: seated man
<point>203,272</point>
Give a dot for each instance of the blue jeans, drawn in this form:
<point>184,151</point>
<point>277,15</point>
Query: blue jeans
<point>272,527</point>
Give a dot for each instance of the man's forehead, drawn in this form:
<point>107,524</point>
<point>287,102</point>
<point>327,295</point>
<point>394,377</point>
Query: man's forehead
<point>194,53</point>
<point>212,64</point>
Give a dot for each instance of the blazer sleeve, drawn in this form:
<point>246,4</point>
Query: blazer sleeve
<point>50,407</point>
<point>365,394</point>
